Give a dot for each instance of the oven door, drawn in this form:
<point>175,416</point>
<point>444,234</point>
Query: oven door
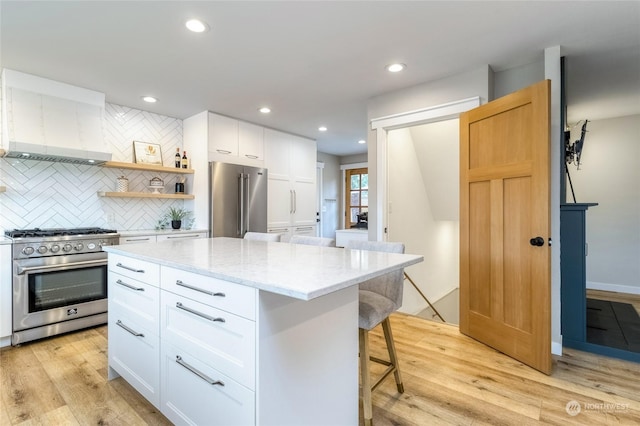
<point>58,288</point>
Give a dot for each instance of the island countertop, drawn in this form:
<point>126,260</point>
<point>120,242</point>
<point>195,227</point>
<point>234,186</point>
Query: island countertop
<point>295,270</point>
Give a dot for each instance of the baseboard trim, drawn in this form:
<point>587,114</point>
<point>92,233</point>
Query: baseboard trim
<point>556,347</point>
<point>618,288</point>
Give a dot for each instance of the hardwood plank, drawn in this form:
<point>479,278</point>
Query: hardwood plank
<point>449,379</point>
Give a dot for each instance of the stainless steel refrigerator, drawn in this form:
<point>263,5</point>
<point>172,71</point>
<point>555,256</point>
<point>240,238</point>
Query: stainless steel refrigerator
<point>238,200</point>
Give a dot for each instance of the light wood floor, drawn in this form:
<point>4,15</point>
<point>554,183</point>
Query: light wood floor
<point>449,379</point>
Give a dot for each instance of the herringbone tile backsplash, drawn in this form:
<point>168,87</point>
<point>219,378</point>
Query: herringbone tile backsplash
<point>60,195</point>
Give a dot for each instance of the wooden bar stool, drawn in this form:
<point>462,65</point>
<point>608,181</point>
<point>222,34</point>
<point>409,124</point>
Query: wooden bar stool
<point>378,298</point>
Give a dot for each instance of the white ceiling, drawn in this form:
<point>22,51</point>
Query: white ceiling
<point>317,63</point>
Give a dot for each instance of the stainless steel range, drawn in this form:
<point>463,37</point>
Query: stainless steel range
<point>59,280</point>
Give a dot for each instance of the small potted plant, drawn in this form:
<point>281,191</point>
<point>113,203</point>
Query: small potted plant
<point>176,215</point>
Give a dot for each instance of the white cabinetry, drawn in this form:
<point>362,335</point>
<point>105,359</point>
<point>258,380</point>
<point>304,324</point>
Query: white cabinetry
<point>291,163</point>
<point>5,295</point>
<point>134,338</point>
<point>159,236</point>
<point>135,239</point>
<point>234,141</point>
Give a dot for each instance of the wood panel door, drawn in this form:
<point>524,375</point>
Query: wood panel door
<point>505,273</point>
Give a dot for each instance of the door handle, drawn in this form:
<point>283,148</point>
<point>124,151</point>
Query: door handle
<point>537,241</point>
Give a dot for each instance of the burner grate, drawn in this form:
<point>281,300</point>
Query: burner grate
<point>56,232</point>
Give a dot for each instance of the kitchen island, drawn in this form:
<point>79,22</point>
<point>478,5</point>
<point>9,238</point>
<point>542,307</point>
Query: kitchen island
<point>229,331</point>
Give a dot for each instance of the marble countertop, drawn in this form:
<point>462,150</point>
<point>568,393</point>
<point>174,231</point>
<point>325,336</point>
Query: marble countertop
<point>5,240</point>
<point>355,230</point>
<point>295,270</point>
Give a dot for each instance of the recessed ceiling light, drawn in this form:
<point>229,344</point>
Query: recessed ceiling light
<point>196,25</point>
<point>361,141</point>
<point>396,67</point>
<point>149,99</point>
<point>322,128</point>
<point>265,110</point>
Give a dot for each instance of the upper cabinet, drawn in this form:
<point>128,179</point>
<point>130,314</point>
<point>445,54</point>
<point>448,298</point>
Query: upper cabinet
<point>234,141</point>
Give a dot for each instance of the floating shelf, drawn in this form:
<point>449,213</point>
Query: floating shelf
<point>3,188</point>
<point>145,195</point>
<point>147,167</point>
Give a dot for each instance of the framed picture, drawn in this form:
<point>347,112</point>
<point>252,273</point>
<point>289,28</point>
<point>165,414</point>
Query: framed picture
<point>147,153</point>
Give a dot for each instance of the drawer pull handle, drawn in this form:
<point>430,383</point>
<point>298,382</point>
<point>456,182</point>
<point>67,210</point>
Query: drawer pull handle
<point>122,283</point>
<point>129,268</point>
<point>200,314</point>
<point>135,333</point>
<point>253,157</point>
<point>210,293</point>
<point>198,373</point>
<point>181,237</point>
<point>223,151</point>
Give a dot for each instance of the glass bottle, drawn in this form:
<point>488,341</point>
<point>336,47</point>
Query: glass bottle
<point>178,159</point>
<point>185,161</point>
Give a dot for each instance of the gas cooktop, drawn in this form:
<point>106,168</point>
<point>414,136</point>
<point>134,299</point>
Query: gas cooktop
<point>56,232</point>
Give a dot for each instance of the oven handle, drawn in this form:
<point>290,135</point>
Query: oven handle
<point>60,267</point>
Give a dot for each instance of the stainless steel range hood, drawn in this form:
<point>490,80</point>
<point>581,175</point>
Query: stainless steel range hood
<point>51,121</point>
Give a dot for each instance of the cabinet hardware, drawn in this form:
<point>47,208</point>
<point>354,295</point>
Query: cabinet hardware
<point>122,283</point>
<point>137,239</point>
<point>200,314</point>
<point>201,290</point>
<point>135,333</point>
<point>198,373</point>
<point>253,157</point>
<point>178,237</point>
<point>222,151</point>
<point>129,268</point>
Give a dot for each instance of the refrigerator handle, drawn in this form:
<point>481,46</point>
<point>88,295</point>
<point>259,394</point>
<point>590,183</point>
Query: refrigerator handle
<point>240,229</point>
<point>247,204</point>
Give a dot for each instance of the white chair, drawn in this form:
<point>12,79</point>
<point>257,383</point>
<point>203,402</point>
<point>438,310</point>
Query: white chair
<point>378,298</point>
<point>262,236</point>
<point>312,241</point>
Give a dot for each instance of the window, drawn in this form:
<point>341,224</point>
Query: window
<point>357,195</point>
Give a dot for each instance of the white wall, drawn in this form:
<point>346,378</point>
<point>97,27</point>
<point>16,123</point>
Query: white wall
<point>610,176</point>
<point>422,215</point>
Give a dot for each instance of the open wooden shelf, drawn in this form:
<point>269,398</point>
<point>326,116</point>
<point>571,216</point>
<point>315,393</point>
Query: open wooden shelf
<point>3,188</point>
<point>145,195</point>
<point>146,167</point>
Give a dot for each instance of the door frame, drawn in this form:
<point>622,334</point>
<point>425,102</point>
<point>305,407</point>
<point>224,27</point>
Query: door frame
<point>382,126</point>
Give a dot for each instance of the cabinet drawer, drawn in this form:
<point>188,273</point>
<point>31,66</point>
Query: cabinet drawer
<point>195,393</point>
<point>189,236</point>
<point>235,298</point>
<point>140,300</point>
<point>225,340</point>
<point>134,352</point>
<point>137,269</point>
<point>138,239</point>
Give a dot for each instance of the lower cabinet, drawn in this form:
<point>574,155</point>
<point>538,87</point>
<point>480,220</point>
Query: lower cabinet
<point>193,392</point>
<point>170,339</point>
<point>6,295</point>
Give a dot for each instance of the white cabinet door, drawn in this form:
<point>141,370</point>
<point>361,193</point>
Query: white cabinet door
<point>195,393</point>
<point>223,135</point>
<point>291,164</point>
<point>134,344</point>
<point>250,141</point>
<point>5,294</point>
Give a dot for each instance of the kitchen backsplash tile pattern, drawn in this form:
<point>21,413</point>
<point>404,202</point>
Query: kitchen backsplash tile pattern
<point>45,194</point>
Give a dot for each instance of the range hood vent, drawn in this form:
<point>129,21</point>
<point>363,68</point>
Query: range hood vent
<point>51,121</point>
